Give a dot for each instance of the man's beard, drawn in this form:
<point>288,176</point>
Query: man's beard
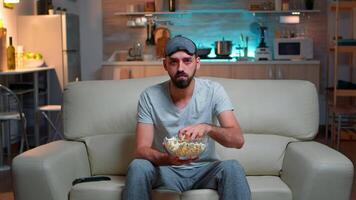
<point>182,83</point>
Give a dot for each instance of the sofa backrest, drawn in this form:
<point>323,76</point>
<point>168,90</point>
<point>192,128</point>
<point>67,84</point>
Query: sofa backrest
<point>272,113</point>
<point>102,107</point>
<point>279,107</point>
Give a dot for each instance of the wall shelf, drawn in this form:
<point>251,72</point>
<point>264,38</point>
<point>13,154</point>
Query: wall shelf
<point>227,11</point>
<point>344,5</point>
<point>345,49</point>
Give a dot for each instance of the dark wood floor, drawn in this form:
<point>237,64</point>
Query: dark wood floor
<point>348,148</point>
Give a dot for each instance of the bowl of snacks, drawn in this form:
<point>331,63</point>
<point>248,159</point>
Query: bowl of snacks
<point>32,59</point>
<point>185,149</point>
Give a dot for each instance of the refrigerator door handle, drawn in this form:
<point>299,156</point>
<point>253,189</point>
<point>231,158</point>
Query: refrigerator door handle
<point>71,51</point>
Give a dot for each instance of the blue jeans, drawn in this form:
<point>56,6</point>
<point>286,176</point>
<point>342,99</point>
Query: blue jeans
<point>227,177</point>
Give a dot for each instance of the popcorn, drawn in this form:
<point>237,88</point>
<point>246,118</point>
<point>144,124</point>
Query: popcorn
<point>183,148</point>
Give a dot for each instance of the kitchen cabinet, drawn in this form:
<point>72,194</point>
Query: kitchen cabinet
<point>309,72</point>
<point>278,71</point>
<point>303,70</point>
<point>252,72</point>
<point>215,70</point>
<point>132,72</point>
<point>154,71</point>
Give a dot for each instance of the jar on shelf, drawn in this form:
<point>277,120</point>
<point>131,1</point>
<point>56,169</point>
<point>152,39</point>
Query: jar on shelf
<point>278,5</point>
<point>19,57</point>
<point>285,4</point>
<point>172,6</point>
<point>149,6</point>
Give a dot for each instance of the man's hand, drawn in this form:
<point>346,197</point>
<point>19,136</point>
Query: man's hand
<point>174,160</point>
<point>195,131</point>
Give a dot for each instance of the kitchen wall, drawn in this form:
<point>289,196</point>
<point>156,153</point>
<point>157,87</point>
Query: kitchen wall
<point>91,37</point>
<point>204,29</point>
<point>72,6</point>
<point>9,16</point>
<point>90,20</point>
<point>90,27</point>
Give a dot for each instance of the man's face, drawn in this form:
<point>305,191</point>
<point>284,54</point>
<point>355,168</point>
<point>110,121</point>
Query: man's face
<point>181,67</point>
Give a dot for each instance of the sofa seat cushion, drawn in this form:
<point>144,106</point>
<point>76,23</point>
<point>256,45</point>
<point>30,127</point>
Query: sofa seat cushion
<point>111,190</point>
<point>262,188</point>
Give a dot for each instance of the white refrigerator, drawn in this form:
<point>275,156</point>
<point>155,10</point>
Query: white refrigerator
<point>56,37</point>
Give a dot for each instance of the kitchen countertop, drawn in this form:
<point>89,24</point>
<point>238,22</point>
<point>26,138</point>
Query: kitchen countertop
<point>214,62</point>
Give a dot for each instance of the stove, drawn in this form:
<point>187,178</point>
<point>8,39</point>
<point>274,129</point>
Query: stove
<point>216,57</point>
<point>226,59</point>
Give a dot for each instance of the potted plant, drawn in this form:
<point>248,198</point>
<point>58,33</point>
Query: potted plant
<point>309,4</point>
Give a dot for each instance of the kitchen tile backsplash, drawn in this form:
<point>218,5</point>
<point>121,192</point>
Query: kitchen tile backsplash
<point>215,21</point>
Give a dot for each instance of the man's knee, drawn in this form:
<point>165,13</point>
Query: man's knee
<point>141,165</point>
<point>232,167</point>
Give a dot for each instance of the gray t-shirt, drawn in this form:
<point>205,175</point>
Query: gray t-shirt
<point>156,107</point>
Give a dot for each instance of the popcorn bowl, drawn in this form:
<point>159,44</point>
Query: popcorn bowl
<point>185,149</point>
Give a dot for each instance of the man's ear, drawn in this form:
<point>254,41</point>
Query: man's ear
<point>165,63</point>
<point>198,62</point>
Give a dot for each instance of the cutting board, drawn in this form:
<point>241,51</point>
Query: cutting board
<point>162,35</point>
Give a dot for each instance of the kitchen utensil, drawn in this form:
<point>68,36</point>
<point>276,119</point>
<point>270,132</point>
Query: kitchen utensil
<point>130,23</point>
<point>203,52</point>
<point>136,51</point>
<point>147,57</point>
<point>262,42</point>
<point>278,5</point>
<point>140,21</point>
<point>161,31</point>
<point>161,35</point>
<point>150,28</point>
<point>131,8</point>
<point>28,63</point>
<point>150,6</point>
<point>246,47</point>
<point>223,47</point>
<point>242,40</point>
<point>255,28</point>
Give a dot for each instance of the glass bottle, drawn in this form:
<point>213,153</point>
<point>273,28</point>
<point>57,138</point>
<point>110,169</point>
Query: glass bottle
<point>19,57</point>
<point>278,5</point>
<point>172,5</point>
<point>285,4</point>
<point>10,54</point>
<point>150,6</point>
<point>58,11</point>
<point>50,9</point>
<point>3,46</point>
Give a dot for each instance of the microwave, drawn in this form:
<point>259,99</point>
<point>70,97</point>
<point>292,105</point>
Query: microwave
<point>293,48</point>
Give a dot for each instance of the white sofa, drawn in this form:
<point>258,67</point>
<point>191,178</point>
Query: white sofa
<point>279,119</point>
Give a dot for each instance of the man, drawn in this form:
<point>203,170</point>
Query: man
<point>186,106</point>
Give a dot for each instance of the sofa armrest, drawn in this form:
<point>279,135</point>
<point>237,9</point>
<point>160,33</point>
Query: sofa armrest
<point>47,172</point>
<point>315,171</point>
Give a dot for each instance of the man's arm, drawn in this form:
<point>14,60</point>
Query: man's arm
<point>144,150</point>
<point>229,133</point>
